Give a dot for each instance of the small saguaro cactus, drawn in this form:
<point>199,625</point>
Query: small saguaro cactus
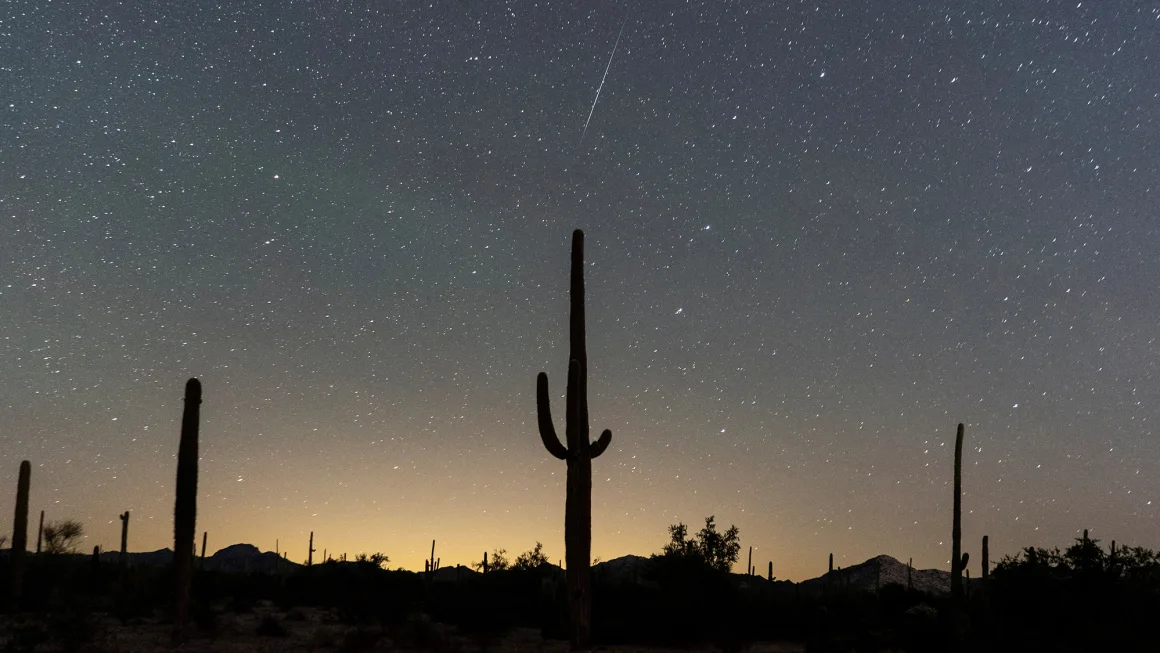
<point>578,454</point>
<point>204,537</point>
<point>749,565</point>
<point>909,574</point>
<point>958,561</point>
<point>831,569</point>
<point>40,532</point>
<point>310,550</point>
<point>986,558</point>
<point>124,538</point>
<point>432,565</point>
<point>185,507</point>
<point>485,562</point>
<point>771,571</point>
<point>20,528</point>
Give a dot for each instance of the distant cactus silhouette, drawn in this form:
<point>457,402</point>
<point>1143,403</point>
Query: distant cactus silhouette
<point>432,565</point>
<point>578,453</point>
<point>909,574</point>
<point>185,507</point>
<point>310,550</point>
<point>771,571</point>
<point>958,561</point>
<point>124,538</point>
<point>204,537</point>
<point>749,564</point>
<point>986,558</point>
<point>831,569</point>
<point>40,532</point>
<point>485,562</point>
<point>20,529</point>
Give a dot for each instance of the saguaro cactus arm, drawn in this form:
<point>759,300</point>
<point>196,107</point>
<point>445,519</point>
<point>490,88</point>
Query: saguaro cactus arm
<point>544,414</point>
<point>601,444</point>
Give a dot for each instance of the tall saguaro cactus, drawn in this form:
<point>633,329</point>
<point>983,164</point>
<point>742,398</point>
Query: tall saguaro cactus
<point>124,538</point>
<point>20,528</point>
<point>957,563</point>
<point>578,453</point>
<point>310,550</point>
<point>185,508</point>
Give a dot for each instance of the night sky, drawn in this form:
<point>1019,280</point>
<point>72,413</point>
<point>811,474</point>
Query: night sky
<point>819,235</point>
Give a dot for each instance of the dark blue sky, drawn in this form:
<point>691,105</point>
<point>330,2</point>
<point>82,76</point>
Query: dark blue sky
<point>819,235</point>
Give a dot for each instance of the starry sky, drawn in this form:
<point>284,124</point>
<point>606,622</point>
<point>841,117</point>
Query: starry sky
<point>819,235</point>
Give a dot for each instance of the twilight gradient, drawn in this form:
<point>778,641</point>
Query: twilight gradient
<point>820,235</point>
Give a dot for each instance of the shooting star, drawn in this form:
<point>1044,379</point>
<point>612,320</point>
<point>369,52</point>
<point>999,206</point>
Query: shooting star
<point>610,57</point>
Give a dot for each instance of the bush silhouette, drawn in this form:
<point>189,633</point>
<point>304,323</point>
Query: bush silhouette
<point>717,550</point>
<point>530,559</point>
<point>62,536</point>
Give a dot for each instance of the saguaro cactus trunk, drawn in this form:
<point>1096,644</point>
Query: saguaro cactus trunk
<point>957,528</point>
<point>185,507</point>
<point>40,532</point>
<point>986,558</point>
<point>124,538</point>
<point>20,529</point>
<point>578,453</point>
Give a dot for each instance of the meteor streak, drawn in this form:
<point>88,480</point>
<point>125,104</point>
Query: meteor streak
<point>609,65</point>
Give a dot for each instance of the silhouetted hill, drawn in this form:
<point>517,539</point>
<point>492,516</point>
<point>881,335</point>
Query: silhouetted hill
<point>245,558</point>
<point>156,558</point>
<point>233,558</point>
<point>622,568</point>
<point>887,570</point>
<point>449,574</point>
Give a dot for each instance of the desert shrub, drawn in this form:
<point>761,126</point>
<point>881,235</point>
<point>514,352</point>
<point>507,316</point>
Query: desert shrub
<point>62,536</point>
<point>531,559</point>
<point>497,562</point>
<point>718,550</point>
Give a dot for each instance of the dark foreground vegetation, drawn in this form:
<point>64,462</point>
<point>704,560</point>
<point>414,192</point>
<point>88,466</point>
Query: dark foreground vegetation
<point>1084,598</point>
